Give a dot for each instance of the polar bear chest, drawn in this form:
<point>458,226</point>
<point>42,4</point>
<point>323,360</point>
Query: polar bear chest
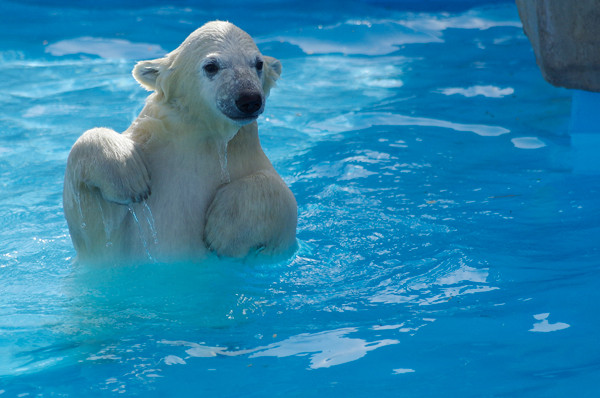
<point>183,185</point>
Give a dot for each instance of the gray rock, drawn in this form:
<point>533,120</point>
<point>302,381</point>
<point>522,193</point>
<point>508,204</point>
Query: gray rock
<point>565,36</point>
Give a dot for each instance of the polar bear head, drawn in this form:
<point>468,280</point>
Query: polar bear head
<point>216,72</point>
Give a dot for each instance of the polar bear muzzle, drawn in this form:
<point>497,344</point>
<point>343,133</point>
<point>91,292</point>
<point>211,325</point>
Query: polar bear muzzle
<point>239,95</point>
<point>244,107</point>
<point>249,103</point>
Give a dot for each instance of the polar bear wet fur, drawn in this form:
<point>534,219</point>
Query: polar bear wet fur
<point>189,171</point>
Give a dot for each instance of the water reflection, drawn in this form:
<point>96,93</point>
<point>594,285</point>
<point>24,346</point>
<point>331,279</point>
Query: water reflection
<point>486,91</point>
<point>380,36</point>
<point>544,326</point>
<point>352,121</point>
<point>324,349</point>
<point>106,48</point>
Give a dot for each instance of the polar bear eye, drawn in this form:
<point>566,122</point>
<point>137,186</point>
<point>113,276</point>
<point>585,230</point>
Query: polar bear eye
<point>211,68</point>
<point>259,65</point>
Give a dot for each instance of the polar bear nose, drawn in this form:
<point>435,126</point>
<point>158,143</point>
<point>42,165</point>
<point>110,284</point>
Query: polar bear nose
<point>249,103</point>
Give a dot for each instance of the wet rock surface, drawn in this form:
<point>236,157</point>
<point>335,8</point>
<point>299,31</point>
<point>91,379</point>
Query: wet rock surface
<point>565,36</point>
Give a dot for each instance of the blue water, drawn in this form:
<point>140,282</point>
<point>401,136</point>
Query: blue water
<point>449,245</point>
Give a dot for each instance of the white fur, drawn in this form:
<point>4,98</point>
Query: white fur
<point>196,163</point>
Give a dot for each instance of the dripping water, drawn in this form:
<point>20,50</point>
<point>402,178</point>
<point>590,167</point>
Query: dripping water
<point>140,230</point>
<point>82,224</point>
<point>108,227</point>
<point>150,219</point>
<point>222,151</point>
<point>77,198</point>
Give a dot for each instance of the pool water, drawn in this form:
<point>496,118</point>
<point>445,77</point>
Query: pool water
<point>448,243</point>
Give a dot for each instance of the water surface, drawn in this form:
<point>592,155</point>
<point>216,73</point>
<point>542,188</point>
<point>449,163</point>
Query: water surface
<point>447,245</point>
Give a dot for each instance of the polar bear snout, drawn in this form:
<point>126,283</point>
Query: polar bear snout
<point>244,107</point>
<point>249,103</point>
<point>239,93</point>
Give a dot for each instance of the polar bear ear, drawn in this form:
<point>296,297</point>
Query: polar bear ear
<point>272,73</point>
<point>147,72</point>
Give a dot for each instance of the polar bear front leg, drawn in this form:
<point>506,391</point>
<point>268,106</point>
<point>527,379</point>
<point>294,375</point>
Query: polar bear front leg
<point>256,212</point>
<point>105,171</point>
<point>110,162</point>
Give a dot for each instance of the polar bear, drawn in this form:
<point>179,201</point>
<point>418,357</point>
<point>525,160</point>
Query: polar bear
<point>189,175</point>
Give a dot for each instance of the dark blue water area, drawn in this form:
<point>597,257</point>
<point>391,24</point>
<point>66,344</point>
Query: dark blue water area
<point>449,240</point>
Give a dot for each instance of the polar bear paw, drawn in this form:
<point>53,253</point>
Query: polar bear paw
<point>113,164</point>
<point>126,181</point>
<point>250,215</point>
